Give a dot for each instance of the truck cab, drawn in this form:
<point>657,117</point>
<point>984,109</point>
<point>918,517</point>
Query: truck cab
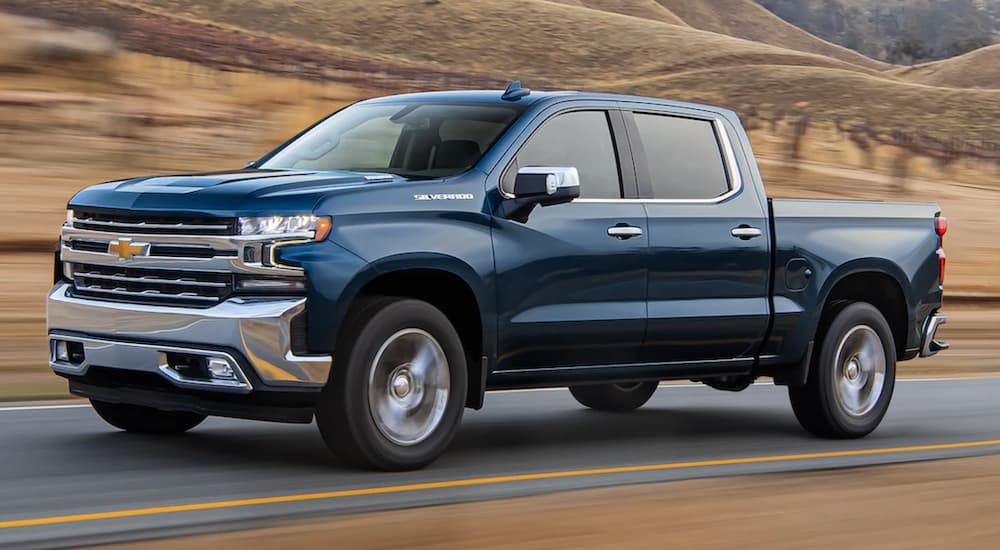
<point>387,266</point>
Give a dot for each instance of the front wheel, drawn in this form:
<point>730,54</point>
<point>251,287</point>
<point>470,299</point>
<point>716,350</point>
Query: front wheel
<point>397,391</point>
<point>852,376</point>
<point>147,420</point>
<point>614,397</point>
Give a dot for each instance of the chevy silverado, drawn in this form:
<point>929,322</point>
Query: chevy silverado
<point>385,268</point>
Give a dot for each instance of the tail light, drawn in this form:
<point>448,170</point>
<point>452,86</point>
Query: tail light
<point>941,227</point>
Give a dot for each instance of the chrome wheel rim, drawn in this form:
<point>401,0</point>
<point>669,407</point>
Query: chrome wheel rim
<point>408,386</point>
<point>859,371</point>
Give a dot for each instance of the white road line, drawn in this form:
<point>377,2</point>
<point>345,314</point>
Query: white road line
<point>662,386</point>
<point>43,407</point>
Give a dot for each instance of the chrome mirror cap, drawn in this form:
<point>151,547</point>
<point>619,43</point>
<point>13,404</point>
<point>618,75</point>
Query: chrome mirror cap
<point>556,177</point>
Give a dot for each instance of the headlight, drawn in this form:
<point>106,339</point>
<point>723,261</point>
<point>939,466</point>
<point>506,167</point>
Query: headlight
<point>69,217</point>
<point>318,226</point>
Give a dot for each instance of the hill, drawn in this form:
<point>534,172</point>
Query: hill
<point>897,31</point>
<point>976,69</point>
<point>499,38</point>
<point>397,45</point>
<point>870,107</point>
<point>749,20</point>
<point>646,9</point>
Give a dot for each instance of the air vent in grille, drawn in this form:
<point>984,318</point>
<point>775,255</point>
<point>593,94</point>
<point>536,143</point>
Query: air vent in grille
<point>151,223</point>
<point>151,286</point>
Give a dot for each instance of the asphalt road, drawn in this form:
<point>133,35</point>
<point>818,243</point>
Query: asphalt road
<point>68,479</point>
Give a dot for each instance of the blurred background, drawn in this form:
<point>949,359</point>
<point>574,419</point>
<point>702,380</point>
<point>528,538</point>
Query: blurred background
<point>870,99</point>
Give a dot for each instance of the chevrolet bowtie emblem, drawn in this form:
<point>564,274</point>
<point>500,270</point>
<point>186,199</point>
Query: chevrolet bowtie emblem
<point>125,248</point>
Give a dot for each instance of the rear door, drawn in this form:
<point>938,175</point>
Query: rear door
<point>709,252</point>
<point>570,293</point>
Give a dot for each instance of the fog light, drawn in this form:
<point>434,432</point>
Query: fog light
<point>219,369</point>
<point>62,351</point>
<point>263,284</point>
<point>69,352</point>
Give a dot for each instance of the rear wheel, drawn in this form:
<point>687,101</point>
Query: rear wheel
<point>614,397</point>
<point>147,420</point>
<point>397,393</point>
<point>852,376</point>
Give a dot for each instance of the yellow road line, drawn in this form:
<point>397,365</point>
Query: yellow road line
<point>478,481</point>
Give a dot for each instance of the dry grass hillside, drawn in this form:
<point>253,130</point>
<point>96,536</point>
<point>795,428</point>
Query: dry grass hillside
<point>738,18</point>
<point>849,97</point>
<point>532,39</point>
<point>976,69</point>
<point>496,40</point>
<point>749,20</point>
<point>493,40</point>
<point>646,9</point>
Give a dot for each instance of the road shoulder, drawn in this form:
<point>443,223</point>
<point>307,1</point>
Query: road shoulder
<point>935,504</point>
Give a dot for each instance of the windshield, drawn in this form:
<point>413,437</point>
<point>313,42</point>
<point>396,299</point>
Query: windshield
<point>415,140</point>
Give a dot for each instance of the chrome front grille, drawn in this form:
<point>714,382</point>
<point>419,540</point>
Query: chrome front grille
<point>151,223</point>
<point>133,257</point>
<point>151,286</point>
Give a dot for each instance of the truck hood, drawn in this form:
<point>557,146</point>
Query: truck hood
<point>228,193</point>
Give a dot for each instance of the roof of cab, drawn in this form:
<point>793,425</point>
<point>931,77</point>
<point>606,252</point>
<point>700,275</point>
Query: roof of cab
<point>494,97</point>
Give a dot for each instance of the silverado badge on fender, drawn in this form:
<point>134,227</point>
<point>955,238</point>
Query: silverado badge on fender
<point>444,197</point>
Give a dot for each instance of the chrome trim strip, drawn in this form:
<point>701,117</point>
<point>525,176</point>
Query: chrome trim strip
<point>122,278</point>
<point>259,329</point>
<point>930,332</point>
<point>146,293</point>
<point>146,225</point>
<point>216,241</point>
<point>145,358</point>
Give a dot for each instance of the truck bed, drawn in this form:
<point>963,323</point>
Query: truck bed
<point>818,242</point>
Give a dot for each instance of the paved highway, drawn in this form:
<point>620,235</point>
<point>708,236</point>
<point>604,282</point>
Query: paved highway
<point>68,479</point>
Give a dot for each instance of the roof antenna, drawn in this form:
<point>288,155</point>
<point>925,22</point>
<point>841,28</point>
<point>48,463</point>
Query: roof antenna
<point>514,91</point>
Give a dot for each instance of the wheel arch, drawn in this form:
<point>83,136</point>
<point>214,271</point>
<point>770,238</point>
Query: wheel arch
<point>878,282</point>
<point>448,284</point>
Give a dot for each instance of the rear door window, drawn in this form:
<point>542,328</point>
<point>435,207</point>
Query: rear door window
<point>683,155</point>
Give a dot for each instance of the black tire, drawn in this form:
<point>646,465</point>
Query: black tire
<point>146,420</point>
<point>820,405</point>
<point>614,397</point>
<point>344,413</point>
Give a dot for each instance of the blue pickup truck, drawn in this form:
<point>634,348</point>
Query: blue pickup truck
<point>385,268</point>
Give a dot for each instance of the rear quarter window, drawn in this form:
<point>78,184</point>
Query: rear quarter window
<point>684,157</point>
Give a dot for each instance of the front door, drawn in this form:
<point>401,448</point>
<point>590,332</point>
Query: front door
<point>571,284</point>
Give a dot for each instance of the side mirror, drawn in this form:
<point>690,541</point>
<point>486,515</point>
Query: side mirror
<point>541,185</point>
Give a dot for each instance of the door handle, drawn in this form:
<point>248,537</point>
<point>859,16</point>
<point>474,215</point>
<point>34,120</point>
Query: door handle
<point>623,231</point>
<point>745,232</point>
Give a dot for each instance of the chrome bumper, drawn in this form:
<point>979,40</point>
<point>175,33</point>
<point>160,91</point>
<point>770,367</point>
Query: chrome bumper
<point>139,337</point>
<point>929,346</point>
